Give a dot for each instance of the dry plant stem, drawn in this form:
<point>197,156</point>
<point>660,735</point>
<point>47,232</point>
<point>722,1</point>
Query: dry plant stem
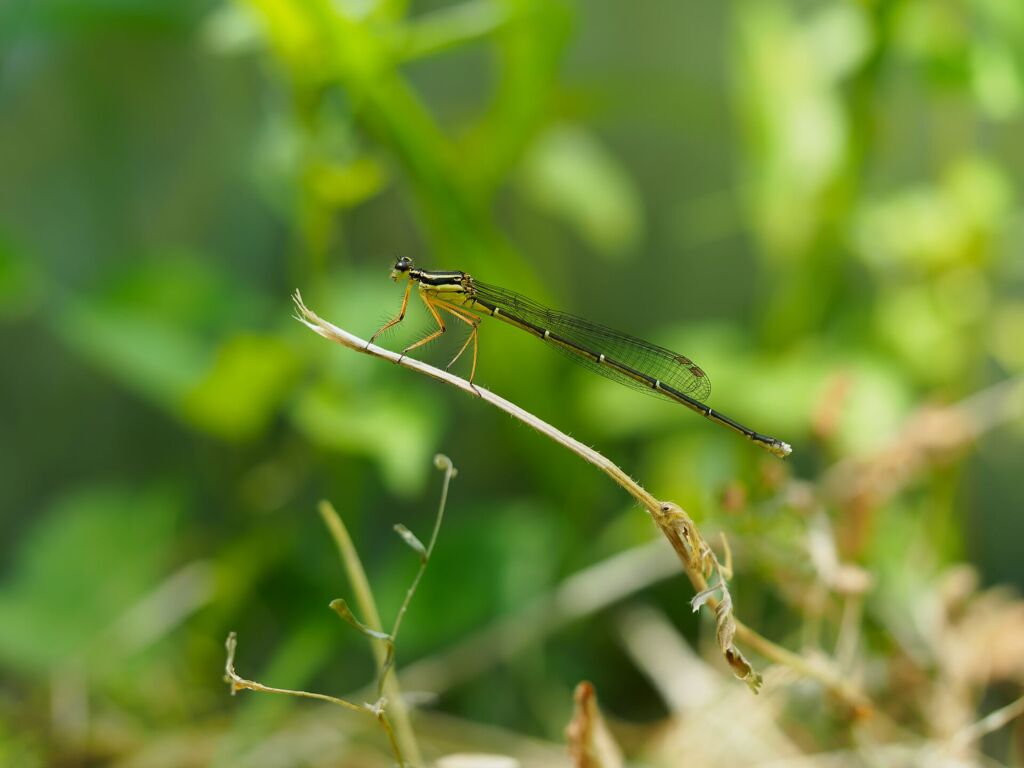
<point>403,732</point>
<point>240,683</point>
<point>988,724</point>
<point>673,522</point>
<point>838,685</point>
<point>993,406</point>
<point>930,433</point>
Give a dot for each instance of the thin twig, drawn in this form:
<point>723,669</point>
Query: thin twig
<point>988,724</point>
<point>375,710</point>
<point>403,731</point>
<point>240,683</point>
<point>443,463</point>
<point>694,554</point>
<point>825,674</point>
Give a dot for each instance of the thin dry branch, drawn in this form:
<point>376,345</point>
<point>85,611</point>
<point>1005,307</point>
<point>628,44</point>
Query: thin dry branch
<point>239,683</point>
<point>375,710</point>
<point>991,723</point>
<point>694,553</point>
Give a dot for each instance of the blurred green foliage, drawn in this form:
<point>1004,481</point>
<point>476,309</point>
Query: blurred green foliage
<point>818,202</point>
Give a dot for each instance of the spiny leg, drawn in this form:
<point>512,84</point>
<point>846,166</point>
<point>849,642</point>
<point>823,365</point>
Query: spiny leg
<point>396,320</point>
<point>429,337</point>
<point>474,322</point>
<point>471,338</point>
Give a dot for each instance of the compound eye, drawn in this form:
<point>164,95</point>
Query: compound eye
<point>404,264</point>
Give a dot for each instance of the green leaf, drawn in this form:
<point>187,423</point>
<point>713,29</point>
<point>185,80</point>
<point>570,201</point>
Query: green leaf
<point>341,608</point>
<point>395,432</point>
<point>83,566</point>
<point>159,359</point>
<point>345,185</point>
<point>410,538</point>
<point>569,174</point>
<point>152,325</point>
<point>451,27</point>
<point>250,377</point>
<point>20,281</point>
<point>936,225</point>
<point>996,79</point>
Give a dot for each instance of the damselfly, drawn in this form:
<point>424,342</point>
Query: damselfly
<point>617,356</point>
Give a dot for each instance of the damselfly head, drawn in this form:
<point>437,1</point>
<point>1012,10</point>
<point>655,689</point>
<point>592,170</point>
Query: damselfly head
<point>402,267</point>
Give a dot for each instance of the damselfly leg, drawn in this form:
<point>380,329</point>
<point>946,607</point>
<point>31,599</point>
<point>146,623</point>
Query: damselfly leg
<point>395,320</point>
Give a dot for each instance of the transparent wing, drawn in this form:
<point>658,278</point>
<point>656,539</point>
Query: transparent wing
<point>671,368</point>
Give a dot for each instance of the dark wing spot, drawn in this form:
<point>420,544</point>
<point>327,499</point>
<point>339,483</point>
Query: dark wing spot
<point>690,366</point>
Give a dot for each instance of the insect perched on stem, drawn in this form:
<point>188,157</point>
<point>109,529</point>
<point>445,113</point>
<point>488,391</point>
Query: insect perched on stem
<point>617,356</point>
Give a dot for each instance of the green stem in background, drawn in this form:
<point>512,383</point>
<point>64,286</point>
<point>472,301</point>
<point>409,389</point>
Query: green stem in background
<point>444,464</point>
<point>322,45</point>
<point>404,735</point>
<point>398,727</point>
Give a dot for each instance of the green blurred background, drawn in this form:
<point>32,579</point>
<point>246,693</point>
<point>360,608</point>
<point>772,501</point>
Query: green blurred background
<point>818,202</point>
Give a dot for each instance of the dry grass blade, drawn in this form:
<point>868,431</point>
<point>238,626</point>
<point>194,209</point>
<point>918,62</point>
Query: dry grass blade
<point>590,743</point>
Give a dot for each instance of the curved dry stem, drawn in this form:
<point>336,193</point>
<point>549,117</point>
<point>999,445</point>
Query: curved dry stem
<point>991,723</point>
<point>375,710</point>
<point>695,555</point>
